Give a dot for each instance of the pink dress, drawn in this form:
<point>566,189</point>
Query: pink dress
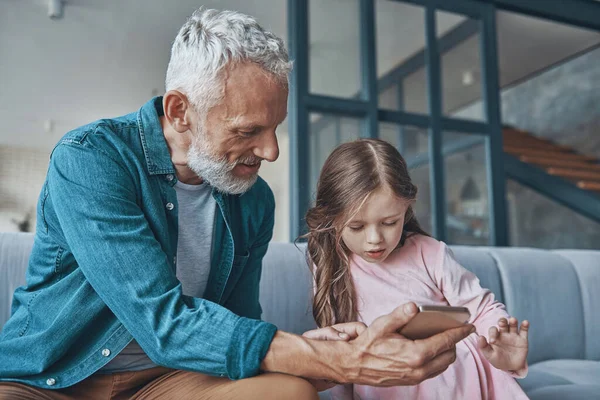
<point>425,272</point>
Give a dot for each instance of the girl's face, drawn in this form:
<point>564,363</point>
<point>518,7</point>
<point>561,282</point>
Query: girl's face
<point>375,231</point>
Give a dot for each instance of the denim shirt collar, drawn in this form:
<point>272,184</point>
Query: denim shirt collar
<point>156,152</point>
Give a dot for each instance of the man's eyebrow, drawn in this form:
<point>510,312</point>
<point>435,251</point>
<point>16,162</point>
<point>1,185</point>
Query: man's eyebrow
<point>234,120</point>
<point>238,122</point>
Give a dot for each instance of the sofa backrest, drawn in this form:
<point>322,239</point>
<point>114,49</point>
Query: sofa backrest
<point>558,291</point>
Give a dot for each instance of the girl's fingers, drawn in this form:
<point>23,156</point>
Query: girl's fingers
<point>503,325</point>
<point>327,333</point>
<point>484,346</point>
<point>482,342</point>
<point>493,334</point>
<point>352,329</point>
<point>524,332</point>
<point>513,325</point>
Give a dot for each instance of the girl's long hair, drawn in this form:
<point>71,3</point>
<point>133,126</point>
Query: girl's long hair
<point>350,173</point>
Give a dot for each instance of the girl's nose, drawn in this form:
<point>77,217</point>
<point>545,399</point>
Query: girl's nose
<point>374,236</point>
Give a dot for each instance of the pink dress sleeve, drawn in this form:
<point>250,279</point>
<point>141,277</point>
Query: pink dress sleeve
<point>461,288</point>
<point>342,392</point>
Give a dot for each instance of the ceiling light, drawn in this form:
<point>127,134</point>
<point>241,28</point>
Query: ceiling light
<point>468,78</point>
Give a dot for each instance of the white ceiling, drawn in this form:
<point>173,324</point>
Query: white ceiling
<point>106,58</point>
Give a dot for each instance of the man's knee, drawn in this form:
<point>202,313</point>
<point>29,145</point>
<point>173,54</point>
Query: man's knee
<point>299,389</point>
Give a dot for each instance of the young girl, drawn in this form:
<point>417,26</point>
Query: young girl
<point>370,255</point>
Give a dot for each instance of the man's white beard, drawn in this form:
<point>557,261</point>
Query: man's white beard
<point>216,170</point>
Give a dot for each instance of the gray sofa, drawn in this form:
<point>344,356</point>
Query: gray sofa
<point>558,291</point>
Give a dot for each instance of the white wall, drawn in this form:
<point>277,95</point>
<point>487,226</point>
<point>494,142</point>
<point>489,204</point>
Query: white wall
<point>101,59</point>
<point>277,176</point>
<point>22,174</point>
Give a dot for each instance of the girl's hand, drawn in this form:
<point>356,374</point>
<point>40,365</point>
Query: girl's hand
<point>346,331</point>
<point>508,345</point>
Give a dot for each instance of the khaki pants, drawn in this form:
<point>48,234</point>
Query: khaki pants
<point>164,384</point>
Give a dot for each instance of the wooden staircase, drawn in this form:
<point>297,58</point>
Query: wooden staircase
<point>555,159</point>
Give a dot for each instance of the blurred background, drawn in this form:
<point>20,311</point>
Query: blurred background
<point>494,104</point>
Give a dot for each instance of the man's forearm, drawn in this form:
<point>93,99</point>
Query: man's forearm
<point>297,355</point>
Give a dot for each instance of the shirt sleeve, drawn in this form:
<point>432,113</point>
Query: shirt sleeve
<point>461,288</point>
<point>101,218</point>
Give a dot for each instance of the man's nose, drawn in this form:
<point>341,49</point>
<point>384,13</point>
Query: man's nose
<point>267,147</point>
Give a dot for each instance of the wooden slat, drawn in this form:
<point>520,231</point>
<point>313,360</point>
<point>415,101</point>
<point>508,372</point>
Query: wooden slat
<point>528,138</point>
<point>514,134</point>
<point>588,185</point>
<point>559,162</point>
<point>574,173</point>
<point>538,146</point>
<point>522,151</point>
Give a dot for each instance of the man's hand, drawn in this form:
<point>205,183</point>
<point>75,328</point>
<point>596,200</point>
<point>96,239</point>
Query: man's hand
<point>345,331</point>
<point>380,356</point>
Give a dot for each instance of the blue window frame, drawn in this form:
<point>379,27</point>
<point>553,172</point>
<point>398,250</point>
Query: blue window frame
<point>482,19</point>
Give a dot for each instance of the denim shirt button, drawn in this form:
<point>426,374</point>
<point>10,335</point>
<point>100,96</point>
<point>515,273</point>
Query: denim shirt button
<point>106,352</point>
<point>170,206</point>
<point>175,260</point>
<point>170,177</point>
<point>51,382</point>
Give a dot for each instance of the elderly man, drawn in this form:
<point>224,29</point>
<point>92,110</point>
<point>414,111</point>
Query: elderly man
<point>143,280</point>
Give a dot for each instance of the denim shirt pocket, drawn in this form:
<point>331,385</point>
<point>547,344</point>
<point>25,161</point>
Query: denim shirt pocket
<point>239,263</point>
<point>240,260</point>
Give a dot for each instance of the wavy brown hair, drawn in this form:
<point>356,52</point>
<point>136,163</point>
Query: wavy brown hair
<point>350,173</point>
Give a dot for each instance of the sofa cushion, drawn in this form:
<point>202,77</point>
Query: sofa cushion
<point>285,288</point>
<point>564,392</point>
<point>561,372</point>
<point>544,288</point>
<point>587,266</point>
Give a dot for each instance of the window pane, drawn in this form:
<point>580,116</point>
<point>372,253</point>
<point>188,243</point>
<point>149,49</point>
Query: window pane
<point>551,83</point>
<point>326,133</point>
<point>413,144</point>
<point>334,53</point>
<point>466,184</point>
<point>536,221</point>
<point>460,66</point>
<point>400,30</point>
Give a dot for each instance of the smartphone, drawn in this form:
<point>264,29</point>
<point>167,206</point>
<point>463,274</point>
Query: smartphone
<point>431,320</point>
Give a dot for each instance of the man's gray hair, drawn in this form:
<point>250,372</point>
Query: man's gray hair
<point>211,40</point>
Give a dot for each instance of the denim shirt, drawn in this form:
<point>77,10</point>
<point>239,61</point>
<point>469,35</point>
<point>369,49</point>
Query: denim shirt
<point>102,268</point>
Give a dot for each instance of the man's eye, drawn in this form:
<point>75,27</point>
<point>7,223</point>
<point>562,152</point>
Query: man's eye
<point>248,133</point>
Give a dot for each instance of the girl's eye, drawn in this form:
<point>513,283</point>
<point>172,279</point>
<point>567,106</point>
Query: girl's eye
<point>355,228</point>
<point>390,223</point>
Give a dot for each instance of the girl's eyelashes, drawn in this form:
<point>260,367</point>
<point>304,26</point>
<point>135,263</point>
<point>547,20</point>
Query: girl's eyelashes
<point>357,228</point>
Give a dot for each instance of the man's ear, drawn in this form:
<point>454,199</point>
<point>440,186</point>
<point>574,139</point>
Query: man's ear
<point>177,110</point>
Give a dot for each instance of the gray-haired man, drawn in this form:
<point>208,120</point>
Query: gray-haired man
<point>143,280</point>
